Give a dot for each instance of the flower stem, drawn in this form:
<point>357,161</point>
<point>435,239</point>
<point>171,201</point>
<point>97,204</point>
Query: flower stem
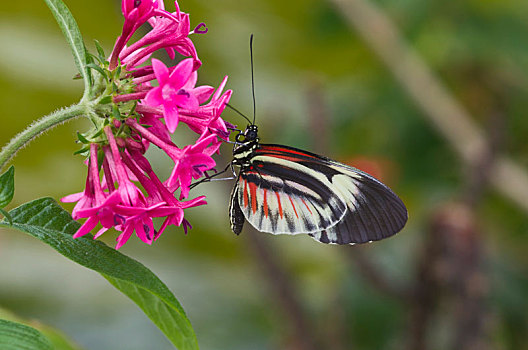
<point>39,127</point>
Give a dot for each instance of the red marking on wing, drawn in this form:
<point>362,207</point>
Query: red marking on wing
<point>265,203</point>
<point>280,205</point>
<point>293,205</point>
<point>282,150</point>
<point>245,194</point>
<point>306,205</point>
<point>282,156</point>
<point>253,192</point>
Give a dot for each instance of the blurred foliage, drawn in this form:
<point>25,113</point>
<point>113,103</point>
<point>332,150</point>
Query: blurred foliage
<point>477,48</point>
<point>57,339</point>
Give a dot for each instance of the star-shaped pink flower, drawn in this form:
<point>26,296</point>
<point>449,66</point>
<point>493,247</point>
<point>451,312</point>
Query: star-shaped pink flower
<point>171,92</point>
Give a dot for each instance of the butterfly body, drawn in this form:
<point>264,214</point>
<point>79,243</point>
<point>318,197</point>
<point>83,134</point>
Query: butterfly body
<point>284,190</point>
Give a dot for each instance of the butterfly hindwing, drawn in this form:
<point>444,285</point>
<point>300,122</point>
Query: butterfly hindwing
<point>278,196</point>
<point>235,213</point>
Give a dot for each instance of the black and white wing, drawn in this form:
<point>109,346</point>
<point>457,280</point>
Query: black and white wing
<point>275,199</point>
<point>289,191</point>
<point>374,212</point>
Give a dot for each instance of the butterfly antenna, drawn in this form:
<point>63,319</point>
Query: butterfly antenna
<point>252,78</point>
<point>238,112</point>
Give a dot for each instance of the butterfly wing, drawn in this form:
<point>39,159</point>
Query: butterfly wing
<point>374,211</point>
<point>235,213</point>
<point>280,195</point>
<point>287,190</point>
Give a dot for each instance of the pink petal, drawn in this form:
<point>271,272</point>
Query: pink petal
<point>129,210</point>
<point>154,97</point>
<point>86,227</point>
<point>203,143</point>
<point>100,232</point>
<point>181,74</point>
<point>203,93</point>
<point>127,6</point>
<point>123,238</point>
<point>160,70</point>
<point>141,231</point>
<point>185,182</point>
<point>220,88</point>
<point>72,197</point>
<point>171,117</point>
<point>204,161</point>
<point>194,202</point>
<point>189,85</point>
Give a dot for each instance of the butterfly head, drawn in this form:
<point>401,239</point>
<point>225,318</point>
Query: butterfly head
<point>246,143</point>
<point>249,135</point>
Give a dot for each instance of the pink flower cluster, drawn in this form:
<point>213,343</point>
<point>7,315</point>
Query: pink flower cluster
<point>129,195</point>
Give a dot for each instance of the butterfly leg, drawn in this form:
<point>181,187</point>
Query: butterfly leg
<point>233,170</point>
<point>224,178</point>
<point>234,176</point>
<point>212,177</point>
<point>232,142</point>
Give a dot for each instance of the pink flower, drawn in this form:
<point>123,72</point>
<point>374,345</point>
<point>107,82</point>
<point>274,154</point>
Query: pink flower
<point>97,206</point>
<point>202,93</point>
<point>128,191</point>
<point>174,214</point>
<point>156,126</point>
<point>103,213</point>
<point>115,207</point>
<point>84,199</point>
<point>191,163</point>
<point>128,195</point>
<point>206,118</point>
<point>138,219</point>
<point>170,31</point>
<point>138,10</point>
<point>171,94</point>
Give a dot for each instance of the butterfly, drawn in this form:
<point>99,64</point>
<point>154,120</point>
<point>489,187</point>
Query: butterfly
<point>285,190</point>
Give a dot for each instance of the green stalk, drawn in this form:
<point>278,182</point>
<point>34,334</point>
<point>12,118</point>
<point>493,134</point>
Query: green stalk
<point>39,127</point>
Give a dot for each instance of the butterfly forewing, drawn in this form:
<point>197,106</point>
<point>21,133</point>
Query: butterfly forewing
<point>287,190</point>
<point>374,211</point>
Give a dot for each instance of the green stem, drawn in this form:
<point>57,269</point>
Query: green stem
<point>38,127</point>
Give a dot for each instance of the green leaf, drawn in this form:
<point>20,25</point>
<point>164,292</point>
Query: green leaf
<point>46,220</point>
<point>7,186</point>
<point>82,151</point>
<point>82,138</point>
<point>7,216</point>
<point>16,336</point>
<point>105,100</point>
<point>57,339</point>
<point>115,112</point>
<point>74,38</point>
<point>100,50</point>
<point>95,58</point>
<point>98,69</point>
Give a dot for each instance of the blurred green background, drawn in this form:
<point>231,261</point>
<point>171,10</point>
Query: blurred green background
<point>319,87</point>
